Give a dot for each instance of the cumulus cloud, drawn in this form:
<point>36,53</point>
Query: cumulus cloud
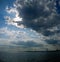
<point>41,16</point>
<point>13,17</point>
<point>38,15</point>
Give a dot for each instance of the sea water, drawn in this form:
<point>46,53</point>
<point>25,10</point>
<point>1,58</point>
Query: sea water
<point>42,56</point>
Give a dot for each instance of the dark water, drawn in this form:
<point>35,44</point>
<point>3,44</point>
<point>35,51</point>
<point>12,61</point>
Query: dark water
<point>30,57</point>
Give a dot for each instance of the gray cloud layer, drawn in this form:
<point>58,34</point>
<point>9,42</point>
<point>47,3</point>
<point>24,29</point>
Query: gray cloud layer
<point>52,41</point>
<point>28,44</point>
<point>39,15</point>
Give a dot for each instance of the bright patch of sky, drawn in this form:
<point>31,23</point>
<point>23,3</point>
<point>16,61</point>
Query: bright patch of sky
<point>10,31</point>
<point>3,4</point>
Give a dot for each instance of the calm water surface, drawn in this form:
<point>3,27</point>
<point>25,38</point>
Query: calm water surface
<point>30,57</point>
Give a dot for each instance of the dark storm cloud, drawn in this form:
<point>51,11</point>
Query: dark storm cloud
<point>51,41</point>
<point>58,6</point>
<point>39,15</point>
<point>28,44</point>
<point>50,33</point>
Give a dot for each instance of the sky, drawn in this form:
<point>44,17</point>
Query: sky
<point>30,23</point>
